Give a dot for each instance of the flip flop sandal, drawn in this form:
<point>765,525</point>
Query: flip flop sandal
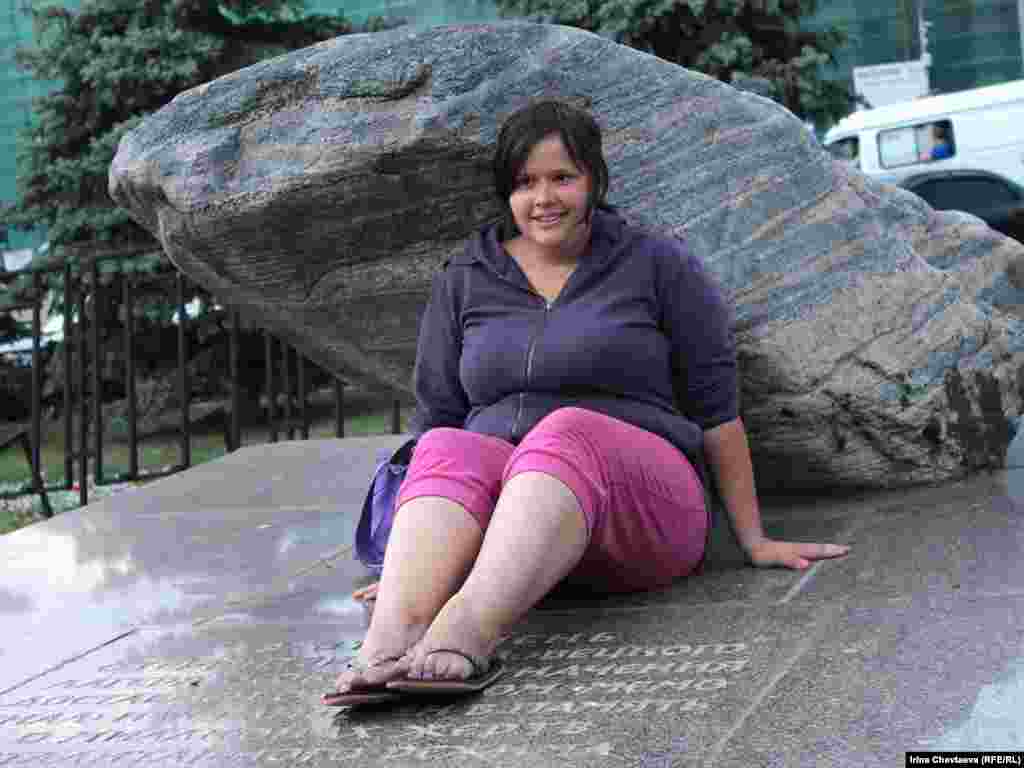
<point>359,698</point>
<point>365,696</point>
<point>485,672</point>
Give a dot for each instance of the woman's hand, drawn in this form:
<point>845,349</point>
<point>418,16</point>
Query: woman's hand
<point>791,554</point>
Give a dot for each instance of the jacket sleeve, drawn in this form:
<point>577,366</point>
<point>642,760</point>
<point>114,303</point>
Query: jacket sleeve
<point>699,323</point>
<point>440,398</point>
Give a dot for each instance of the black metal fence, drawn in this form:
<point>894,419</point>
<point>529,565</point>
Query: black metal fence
<point>78,285</point>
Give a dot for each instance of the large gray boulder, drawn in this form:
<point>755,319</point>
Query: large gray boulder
<point>880,342</point>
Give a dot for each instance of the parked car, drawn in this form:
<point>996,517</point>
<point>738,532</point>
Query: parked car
<point>996,200</point>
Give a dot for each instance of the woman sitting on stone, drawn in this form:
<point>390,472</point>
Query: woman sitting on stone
<point>572,374</point>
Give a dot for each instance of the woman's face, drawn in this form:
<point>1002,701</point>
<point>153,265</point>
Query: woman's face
<point>549,198</point>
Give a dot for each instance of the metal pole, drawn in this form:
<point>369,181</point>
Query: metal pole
<point>286,385</point>
<point>396,417</point>
<point>339,404</point>
<point>69,444</point>
<point>922,32</point>
<point>83,403</point>
<point>236,397</point>
<point>97,383</point>
<point>268,346</point>
<point>186,452</point>
<point>37,383</point>
<point>128,307</point>
<point>1020,31</point>
<point>300,364</point>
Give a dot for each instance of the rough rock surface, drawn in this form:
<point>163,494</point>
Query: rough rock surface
<point>880,341</point>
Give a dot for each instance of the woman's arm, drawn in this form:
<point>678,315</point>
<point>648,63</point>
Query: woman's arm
<point>698,320</point>
<point>728,455</point>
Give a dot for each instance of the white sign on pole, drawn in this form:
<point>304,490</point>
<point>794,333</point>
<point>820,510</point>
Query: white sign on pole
<point>891,83</point>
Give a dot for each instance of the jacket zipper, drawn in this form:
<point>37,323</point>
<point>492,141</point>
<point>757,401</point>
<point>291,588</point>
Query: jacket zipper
<point>529,366</point>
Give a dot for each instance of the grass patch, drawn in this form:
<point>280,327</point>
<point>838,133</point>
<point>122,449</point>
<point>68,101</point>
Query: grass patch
<point>11,520</point>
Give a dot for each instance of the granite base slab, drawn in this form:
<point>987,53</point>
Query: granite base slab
<point>186,625</point>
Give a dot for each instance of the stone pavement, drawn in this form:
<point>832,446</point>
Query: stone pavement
<point>196,622</point>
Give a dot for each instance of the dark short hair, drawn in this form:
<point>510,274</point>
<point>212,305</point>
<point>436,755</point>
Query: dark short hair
<point>525,128</point>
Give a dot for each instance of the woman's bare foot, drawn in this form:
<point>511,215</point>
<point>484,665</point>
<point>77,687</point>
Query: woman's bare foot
<point>379,661</point>
<point>456,627</point>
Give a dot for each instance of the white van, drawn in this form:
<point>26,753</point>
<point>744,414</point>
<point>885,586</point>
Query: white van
<point>977,130</point>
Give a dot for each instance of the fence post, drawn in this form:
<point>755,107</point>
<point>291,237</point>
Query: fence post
<point>339,407</point>
<point>37,385</point>
<point>300,364</point>
<point>37,290</point>
<point>236,397</point>
<point>183,393</point>
<point>127,306</point>
<point>83,403</point>
<point>396,417</point>
<point>268,345</point>
<point>286,385</point>
<point>69,441</point>
<point>97,383</point>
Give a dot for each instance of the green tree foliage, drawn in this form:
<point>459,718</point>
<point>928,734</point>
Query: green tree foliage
<point>117,61</point>
<point>736,41</point>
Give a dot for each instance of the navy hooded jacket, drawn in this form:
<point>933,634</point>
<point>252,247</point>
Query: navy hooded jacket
<point>640,332</point>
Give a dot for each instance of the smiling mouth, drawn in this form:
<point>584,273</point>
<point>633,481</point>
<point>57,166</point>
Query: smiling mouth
<point>549,219</point>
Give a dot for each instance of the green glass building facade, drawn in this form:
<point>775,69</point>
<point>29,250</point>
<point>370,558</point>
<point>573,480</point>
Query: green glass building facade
<point>17,89</point>
<point>972,43</point>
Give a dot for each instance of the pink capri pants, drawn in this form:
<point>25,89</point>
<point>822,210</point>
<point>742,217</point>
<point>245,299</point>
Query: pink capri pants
<point>644,505</point>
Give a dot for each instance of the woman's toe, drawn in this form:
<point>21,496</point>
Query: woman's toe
<point>413,665</point>
<point>447,666</point>
<point>344,682</point>
<point>359,674</point>
<point>438,666</point>
<point>384,670</point>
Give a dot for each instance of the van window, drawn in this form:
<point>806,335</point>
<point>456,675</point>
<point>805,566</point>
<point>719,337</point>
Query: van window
<point>845,149</point>
<point>924,143</point>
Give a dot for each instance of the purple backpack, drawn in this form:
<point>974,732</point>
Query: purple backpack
<point>379,507</point>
